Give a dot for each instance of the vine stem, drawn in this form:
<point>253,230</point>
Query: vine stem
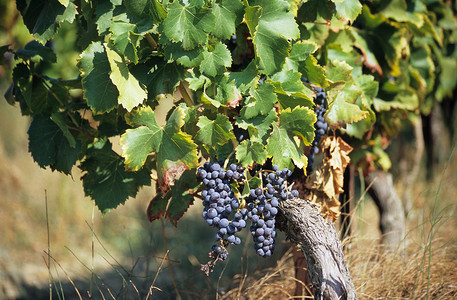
<point>151,40</point>
<point>185,95</point>
<point>178,296</point>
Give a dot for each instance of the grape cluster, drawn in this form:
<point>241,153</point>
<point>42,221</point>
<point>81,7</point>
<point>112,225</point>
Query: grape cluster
<point>219,202</point>
<point>263,207</point>
<point>320,127</point>
<point>224,211</point>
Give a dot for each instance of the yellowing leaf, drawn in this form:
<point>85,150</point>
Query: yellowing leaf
<point>131,94</point>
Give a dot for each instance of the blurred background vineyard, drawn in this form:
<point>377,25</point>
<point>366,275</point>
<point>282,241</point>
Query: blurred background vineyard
<point>122,255</point>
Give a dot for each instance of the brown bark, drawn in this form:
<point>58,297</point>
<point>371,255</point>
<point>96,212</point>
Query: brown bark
<point>319,242</point>
<point>392,223</point>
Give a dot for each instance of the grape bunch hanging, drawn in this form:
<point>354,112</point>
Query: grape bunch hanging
<point>320,127</point>
<point>228,214</point>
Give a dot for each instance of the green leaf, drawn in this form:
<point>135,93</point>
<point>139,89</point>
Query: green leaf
<point>259,127</point>
<point>214,63</point>
<point>36,52</point>
<point>313,72</point>
<point>248,153</point>
<point>369,58</point>
<point>43,18</point>
<point>105,179</point>
<point>60,118</point>
<point>342,108</point>
<point>261,102</point>
<point>245,79</point>
<point>337,71</point>
<point>104,10</point>
<point>187,58</point>
<point>369,88</point>
<point>282,147</point>
<point>125,39</point>
<point>36,95</point>
<point>188,24</point>
<point>99,91</point>
<point>181,196</point>
<point>159,76</point>
<point>138,143</point>
<point>301,50</point>
<point>283,150</point>
<point>131,94</point>
<point>229,13</point>
<point>158,206</point>
<point>299,122</point>
<point>145,13</point>
<point>217,132</point>
<point>271,26</point>
<point>175,149</point>
<point>348,9</point>
<point>288,82</point>
<point>312,10</point>
<point>49,146</point>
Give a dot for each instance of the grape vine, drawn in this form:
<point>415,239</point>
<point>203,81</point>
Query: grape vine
<point>231,72</point>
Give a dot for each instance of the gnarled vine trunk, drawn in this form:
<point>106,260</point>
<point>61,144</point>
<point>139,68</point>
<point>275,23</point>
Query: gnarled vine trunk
<point>320,244</point>
<point>392,223</point>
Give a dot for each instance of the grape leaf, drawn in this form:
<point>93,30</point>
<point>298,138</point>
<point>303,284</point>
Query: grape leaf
<point>144,13</point>
<point>338,71</point>
<point>313,72</point>
<point>187,58</point>
<point>258,127</point>
<point>125,38</point>
<point>229,13</point>
<point>250,152</point>
<point>43,18</point>
<point>311,10</point>
<point>301,50</point>
<point>159,76</point>
<point>271,25</point>
<point>131,94</point>
<point>300,122</point>
<point>369,58</point>
<point>104,11</point>
<point>288,82</point>
<point>105,179</point>
<point>175,149</point>
<point>49,146</point>
<point>369,89</point>
<point>245,79</point>
<point>188,24</point>
<point>215,132</point>
<point>60,119</point>
<point>261,102</point>
<point>181,196</point>
<point>348,9</point>
<point>158,206</point>
<point>99,91</point>
<point>36,95</point>
<point>342,108</point>
<point>281,145</point>
<point>214,63</point>
<point>33,50</point>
